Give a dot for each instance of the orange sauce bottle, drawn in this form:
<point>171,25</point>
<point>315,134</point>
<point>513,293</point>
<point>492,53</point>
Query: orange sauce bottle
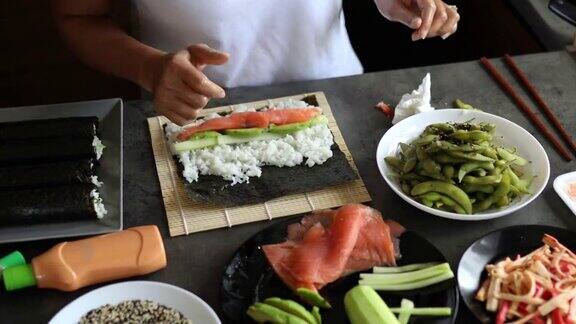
<point>72,265</point>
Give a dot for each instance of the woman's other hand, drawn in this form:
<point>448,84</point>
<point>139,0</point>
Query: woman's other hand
<point>180,88</point>
<point>428,18</point>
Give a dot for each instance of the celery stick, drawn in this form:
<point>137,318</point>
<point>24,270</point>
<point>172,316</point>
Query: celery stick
<point>425,311</point>
<point>409,286</point>
<point>406,306</point>
<point>406,268</point>
<point>405,277</point>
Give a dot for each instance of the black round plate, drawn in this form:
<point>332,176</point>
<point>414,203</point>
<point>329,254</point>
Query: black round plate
<point>248,278</point>
<point>495,246</point>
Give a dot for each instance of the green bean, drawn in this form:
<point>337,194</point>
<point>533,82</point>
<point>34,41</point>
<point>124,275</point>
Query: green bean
<point>409,164</point>
<point>447,159</point>
<point>469,166</point>
<point>487,180</point>
<point>448,171</point>
<point>477,188</point>
<point>462,105</point>
<point>511,157</point>
<point>450,190</point>
<point>395,163</point>
<point>471,136</point>
<point>425,140</point>
<point>501,191</point>
<point>471,156</point>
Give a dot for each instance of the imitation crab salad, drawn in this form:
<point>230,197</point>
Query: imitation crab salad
<point>536,288</point>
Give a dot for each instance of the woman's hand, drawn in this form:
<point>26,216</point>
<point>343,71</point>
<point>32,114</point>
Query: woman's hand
<point>180,88</point>
<point>428,18</point>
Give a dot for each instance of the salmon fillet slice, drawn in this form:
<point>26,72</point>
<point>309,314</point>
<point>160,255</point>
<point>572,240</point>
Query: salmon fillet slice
<point>251,119</point>
<point>327,245</point>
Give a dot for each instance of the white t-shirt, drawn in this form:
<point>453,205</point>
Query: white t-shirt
<point>269,41</point>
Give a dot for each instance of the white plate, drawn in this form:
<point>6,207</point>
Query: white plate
<point>561,186</point>
<point>190,305</point>
<point>507,133</point>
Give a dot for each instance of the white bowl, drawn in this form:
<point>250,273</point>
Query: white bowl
<point>190,305</point>
<point>507,133</point>
<point>561,184</point>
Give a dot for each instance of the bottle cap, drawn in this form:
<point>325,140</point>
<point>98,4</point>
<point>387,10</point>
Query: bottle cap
<point>20,276</point>
<point>13,259</point>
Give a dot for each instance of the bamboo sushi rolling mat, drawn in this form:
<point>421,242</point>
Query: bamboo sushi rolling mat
<point>186,216</point>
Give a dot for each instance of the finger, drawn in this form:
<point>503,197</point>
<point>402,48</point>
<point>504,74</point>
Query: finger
<point>402,14</point>
<point>202,54</point>
<point>184,110</point>
<point>427,10</point>
<point>200,83</point>
<point>440,18</point>
<point>451,24</point>
<point>193,99</point>
<point>176,118</point>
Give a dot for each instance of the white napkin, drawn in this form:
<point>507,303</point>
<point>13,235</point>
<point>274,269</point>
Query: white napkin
<point>414,103</point>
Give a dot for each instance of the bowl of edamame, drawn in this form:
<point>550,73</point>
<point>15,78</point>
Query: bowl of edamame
<point>463,164</point>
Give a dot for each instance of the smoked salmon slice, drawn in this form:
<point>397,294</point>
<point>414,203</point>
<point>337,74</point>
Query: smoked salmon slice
<point>327,245</point>
<point>259,119</point>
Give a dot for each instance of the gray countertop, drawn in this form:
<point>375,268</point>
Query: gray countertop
<point>196,262</point>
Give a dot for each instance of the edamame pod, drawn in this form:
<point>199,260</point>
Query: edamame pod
<point>487,180</point>
<point>395,163</point>
<point>450,190</point>
<point>477,188</point>
<point>469,166</point>
<point>471,156</point>
<point>448,171</point>
<point>501,191</point>
<point>511,157</point>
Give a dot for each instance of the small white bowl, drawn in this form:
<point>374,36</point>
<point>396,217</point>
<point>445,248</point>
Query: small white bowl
<point>190,305</point>
<point>561,184</point>
<point>507,133</point>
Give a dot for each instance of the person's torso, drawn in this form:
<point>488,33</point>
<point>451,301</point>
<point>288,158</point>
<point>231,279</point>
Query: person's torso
<point>269,41</point>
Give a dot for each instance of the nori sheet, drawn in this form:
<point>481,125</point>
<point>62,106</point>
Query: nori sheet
<point>46,174</point>
<point>273,183</point>
<point>47,205</point>
<point>42,150</point>
<point>49,128</point>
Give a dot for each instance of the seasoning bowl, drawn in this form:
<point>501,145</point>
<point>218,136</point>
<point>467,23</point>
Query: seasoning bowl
<point>190,305</point>
<point>564,185</point>
<point>507,134</point>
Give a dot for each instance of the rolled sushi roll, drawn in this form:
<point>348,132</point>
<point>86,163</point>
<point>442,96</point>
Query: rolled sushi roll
<point>43,150</point>
<point>51,205</point>
<point>47,175</point>
<point>48,128</point>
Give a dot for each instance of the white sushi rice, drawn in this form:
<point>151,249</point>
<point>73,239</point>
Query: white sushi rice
<point>98,205</point>
<point>237,163</point>
<point>95,181</point>
<point>98,147</point>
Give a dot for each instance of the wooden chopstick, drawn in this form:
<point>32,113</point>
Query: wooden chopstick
<point>521,76</point>
<point>520,103</point>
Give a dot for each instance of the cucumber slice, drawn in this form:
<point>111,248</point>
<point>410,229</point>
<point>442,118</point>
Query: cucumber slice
<point>195,144</point>
<point>364,305</point>
<point>244,132</point>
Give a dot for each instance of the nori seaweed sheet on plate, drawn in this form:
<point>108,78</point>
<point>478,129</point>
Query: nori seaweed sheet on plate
<point>47,205</point>
<point>42,150</point>
<point>47,128</point>
<point>46,174</point>
<point>273,183</point>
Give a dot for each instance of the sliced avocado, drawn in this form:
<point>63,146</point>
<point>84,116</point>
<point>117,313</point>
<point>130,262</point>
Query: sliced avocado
<point>316,313</point>
<point>206,134</point>
<point>261,313</point>
<point>289,128</point>
<point>244,132</point>
<point>320,119</point>
<point>291,307</point>
<point>313,298</point>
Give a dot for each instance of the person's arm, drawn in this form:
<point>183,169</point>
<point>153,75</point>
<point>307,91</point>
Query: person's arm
<point>176,79</point>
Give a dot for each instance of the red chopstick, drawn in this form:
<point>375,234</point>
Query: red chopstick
<point>499,78</point>
<point>521,76</point>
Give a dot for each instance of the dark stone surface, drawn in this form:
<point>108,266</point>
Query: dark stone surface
<point>196,262</point>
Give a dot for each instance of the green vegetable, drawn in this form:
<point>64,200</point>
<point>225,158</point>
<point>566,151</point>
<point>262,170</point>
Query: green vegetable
<point>406,268</point>
<point>468,188</point>
<point>316,314</point>
<point>404,315</point>
<point>363,305</point>
<point>261,313</point>
<point>412,285</point>
<point>511,157</point>
<point>291,307</point>
<point>395,163</point>
<point>487,180</point>
<point>194,144</point>
<point>313,298</point>
<point>405,277</point>
<point>501,191</point>
<point>244,132</point>
<point>450,190</point>
<point>469,166</point>
<point>205,134</point>
<point>471,156</point>
<point>462,105</point>
<point>426,311</point>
